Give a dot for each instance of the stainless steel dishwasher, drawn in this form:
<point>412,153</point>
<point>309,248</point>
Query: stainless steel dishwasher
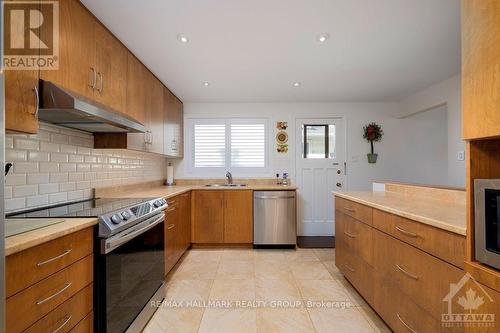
<point>274,219</point>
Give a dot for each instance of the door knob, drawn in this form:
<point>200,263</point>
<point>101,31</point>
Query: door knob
<point>338,172</point>
<point>339,184</point>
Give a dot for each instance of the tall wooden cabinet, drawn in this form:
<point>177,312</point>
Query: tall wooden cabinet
<point>174,125</point>
<point>480,69</point>
<point>222,217</point>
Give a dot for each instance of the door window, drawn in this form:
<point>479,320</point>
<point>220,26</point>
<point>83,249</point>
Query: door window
<point>318,141</point>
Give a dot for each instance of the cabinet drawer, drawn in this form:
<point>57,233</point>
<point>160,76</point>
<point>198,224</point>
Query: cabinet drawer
<point>171,245</point>
<point>356,236</point>
<point>27,267</point>
<point>359,273</point>
<point>86,325</point>
<point>424,278</point>
<point>26,307</point>
<point>67,315</point>
<point>359,212</point>
<point>399,311</point>
<point>443,244</point>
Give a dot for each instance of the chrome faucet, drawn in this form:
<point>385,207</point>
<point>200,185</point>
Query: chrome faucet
<point>229,177</point>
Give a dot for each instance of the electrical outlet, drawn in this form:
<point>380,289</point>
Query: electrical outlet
<point>461,155</point>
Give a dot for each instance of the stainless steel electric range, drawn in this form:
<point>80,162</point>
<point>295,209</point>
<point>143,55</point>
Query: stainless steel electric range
<point>129,257</point>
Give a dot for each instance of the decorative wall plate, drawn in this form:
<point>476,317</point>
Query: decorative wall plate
<point>281,137</point>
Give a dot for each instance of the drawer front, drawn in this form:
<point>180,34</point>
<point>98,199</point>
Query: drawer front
<point>26,268</point>
<point>424,278</point>
<point>399,311</point>
<point>359,212</point>
<point>356,236</point>
<point>356,271</point>
<point>443,244</point>
<point>67,315</point>
<point>86,325</point>
<point>26,307</point>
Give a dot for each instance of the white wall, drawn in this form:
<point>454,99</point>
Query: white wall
<point>446,93</point>
<point>398,152</point>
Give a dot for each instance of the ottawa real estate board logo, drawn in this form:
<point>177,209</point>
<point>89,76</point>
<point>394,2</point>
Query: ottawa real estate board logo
<point>468,305</point>
<point>31,35</point>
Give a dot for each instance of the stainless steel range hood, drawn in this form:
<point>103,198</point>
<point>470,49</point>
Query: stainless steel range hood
<point>66,108</point>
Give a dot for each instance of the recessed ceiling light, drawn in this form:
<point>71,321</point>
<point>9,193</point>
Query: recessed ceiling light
<point>206,83</point>
<point>297,84</point>
<point>323,37</point>
<point>182,38</point>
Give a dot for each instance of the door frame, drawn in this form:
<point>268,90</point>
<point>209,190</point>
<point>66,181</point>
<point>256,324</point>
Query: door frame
<point>301,120</point>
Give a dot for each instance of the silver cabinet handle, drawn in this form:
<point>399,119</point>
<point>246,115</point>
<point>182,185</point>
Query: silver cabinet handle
<point>405,272</point>
<point>68,318</point>
<point>350,210</point>
<point>405,324</point>
<point>101,79</point>
<point>93,78</point>
<point>37,100</point>
<point>350,235</point>
<point>169,210</point>
<point>349,268</point>
<point>407,233</point>
<point>66,286</point>
<point>273,197</point>
<point>171,226</point>
<point>68,251</point>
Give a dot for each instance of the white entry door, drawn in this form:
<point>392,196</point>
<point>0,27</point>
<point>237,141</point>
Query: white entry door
<point>320,169</point>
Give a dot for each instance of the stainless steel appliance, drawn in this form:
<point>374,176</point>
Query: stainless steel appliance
<point>66,108</point>
<point>129,257</point>
<point>487,221</point>
<point>275,222</point>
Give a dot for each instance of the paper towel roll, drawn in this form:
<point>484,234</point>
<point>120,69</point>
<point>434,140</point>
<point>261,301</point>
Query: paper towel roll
<point>170,175</point>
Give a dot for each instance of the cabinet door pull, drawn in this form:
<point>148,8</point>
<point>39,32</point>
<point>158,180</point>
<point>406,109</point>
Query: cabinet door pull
<point>169,210</point>
<point>101,83</point>
<point>92,78</point>
<point>349,268</point>
<point>405,272</point>
<point>350,210</point>
<point>68,251</point>
<point>66,321</point>
<point>407,233</point>
<point>405,324</point>
<point>350,235</point>
<point>66,286</point>
<point>37,101</point>
<point>171,226</point>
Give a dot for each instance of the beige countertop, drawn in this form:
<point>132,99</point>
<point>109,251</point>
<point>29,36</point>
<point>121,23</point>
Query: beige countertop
<point>444,214</point>
<point>172,191</point>
<point>23,241</point>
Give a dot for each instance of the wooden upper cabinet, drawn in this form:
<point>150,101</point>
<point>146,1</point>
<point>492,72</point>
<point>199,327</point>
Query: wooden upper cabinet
<point>480,68</point>
<point>111,69</point>
<point>21,101</point>
<point>156,115</point>
<point>136,89</point>
<point>238,216</point>
<point>77,69</point>
<point>208,217</point>
<point>174,125</point>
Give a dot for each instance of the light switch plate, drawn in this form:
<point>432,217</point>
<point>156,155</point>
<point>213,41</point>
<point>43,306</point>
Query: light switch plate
<point>461,155</point>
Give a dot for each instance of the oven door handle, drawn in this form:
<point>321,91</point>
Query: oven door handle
<point>112,243</point>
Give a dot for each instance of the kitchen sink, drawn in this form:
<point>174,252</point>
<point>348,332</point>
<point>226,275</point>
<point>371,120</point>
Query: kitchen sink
<point>225,185</point>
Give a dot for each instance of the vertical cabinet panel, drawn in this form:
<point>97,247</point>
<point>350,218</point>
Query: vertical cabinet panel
<point>174,125</point>
<point>111,67</point>
<point>238,217</point>
<point>156,115</point>
<point>208,217</point>
<point>77,70</point>
<point>21,101</point>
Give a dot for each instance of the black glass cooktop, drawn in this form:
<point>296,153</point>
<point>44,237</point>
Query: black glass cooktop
<point>86,208</point>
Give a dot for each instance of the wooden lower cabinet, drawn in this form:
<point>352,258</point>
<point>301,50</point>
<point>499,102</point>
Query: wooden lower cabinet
<point>403,283</point>
<point>222,217</point>
<point>177,229</point>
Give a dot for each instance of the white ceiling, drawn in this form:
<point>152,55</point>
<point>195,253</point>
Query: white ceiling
<point>253,50</point>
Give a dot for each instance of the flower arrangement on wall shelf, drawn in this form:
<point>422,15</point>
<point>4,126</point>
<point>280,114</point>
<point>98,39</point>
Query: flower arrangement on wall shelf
<point>372,133</point>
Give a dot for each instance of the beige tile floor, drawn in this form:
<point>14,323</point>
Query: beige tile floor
<point>264,291</point>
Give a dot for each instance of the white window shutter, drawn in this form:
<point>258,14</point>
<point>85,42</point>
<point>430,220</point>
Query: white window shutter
<point>248,145</point>
<point>209,149</point>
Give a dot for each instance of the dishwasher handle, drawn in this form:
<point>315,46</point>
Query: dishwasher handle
<point>273,197</point>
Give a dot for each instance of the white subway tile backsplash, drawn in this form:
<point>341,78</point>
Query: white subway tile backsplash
<point>38,156</point>
<point>48,188</point>
<point>15,204</point>
<point>25,167</point>
<point>20,143</point>
<point>60,164</point>
<point>25,190</point>
<point>38,200</point>
<point>38,178</point>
